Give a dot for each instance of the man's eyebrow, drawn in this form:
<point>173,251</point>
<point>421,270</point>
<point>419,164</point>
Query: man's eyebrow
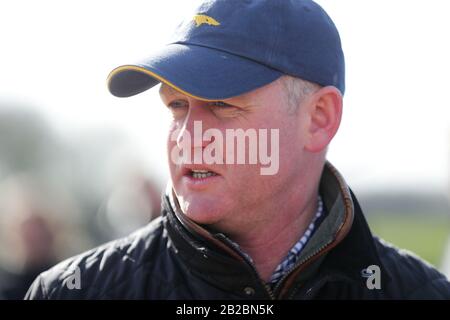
<point>242,99</point>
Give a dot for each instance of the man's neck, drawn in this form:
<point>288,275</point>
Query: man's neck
<point>269,243</point>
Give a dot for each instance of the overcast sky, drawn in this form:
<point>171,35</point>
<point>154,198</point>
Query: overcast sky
<point>55,56</point>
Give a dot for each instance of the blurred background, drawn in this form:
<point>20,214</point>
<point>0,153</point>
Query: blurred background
<point>79,167</point>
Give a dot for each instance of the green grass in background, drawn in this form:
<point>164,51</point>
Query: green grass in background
<point>425,235</point>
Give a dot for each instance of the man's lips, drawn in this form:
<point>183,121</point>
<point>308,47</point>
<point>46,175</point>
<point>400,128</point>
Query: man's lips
<point>195,170</point>
<point>199,177</point>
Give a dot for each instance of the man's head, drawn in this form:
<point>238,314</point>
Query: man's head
<point>306,117</point>
<point>270,70</point>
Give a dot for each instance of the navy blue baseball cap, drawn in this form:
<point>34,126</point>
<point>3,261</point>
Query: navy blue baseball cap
<point>230,47</point>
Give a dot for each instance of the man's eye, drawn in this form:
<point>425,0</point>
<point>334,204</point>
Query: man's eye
<point>177,104</point>
<point>219,104</point>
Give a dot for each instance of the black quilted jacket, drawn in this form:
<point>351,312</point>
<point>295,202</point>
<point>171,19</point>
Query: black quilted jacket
<point>174,258</point>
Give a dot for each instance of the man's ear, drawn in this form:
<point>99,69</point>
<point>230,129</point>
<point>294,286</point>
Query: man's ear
<point>324,109</point>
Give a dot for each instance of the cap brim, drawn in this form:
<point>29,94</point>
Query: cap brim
<point>197,71</point>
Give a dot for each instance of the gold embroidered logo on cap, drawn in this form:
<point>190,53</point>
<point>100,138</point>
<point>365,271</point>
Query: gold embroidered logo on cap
<point>204,19</point>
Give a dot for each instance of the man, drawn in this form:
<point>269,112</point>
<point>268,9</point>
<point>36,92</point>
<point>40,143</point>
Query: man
<point>267,225</point>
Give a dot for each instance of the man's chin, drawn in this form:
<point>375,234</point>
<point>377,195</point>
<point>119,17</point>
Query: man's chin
<point>203,211</point>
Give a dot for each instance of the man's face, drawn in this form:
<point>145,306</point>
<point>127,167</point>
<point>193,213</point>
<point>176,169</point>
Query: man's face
<point>231,194</point>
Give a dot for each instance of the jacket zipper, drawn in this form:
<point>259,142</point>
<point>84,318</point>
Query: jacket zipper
<point>246,259</point>
<point>300,263</point>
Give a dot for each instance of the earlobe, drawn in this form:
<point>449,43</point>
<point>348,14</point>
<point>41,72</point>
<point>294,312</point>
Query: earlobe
<point>325,112</point>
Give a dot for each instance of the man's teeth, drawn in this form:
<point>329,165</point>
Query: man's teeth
<point>197,174</point>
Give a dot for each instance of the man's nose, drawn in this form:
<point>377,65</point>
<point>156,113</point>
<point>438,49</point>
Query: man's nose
<point>198,119</point>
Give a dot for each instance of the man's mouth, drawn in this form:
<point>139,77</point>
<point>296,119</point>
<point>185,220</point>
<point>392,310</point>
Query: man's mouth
<point>201,174</point>
<point>199,177</point>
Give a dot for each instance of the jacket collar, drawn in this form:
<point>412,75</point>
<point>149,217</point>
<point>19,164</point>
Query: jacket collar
<point>343,243</point>
<point>355,251</point>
